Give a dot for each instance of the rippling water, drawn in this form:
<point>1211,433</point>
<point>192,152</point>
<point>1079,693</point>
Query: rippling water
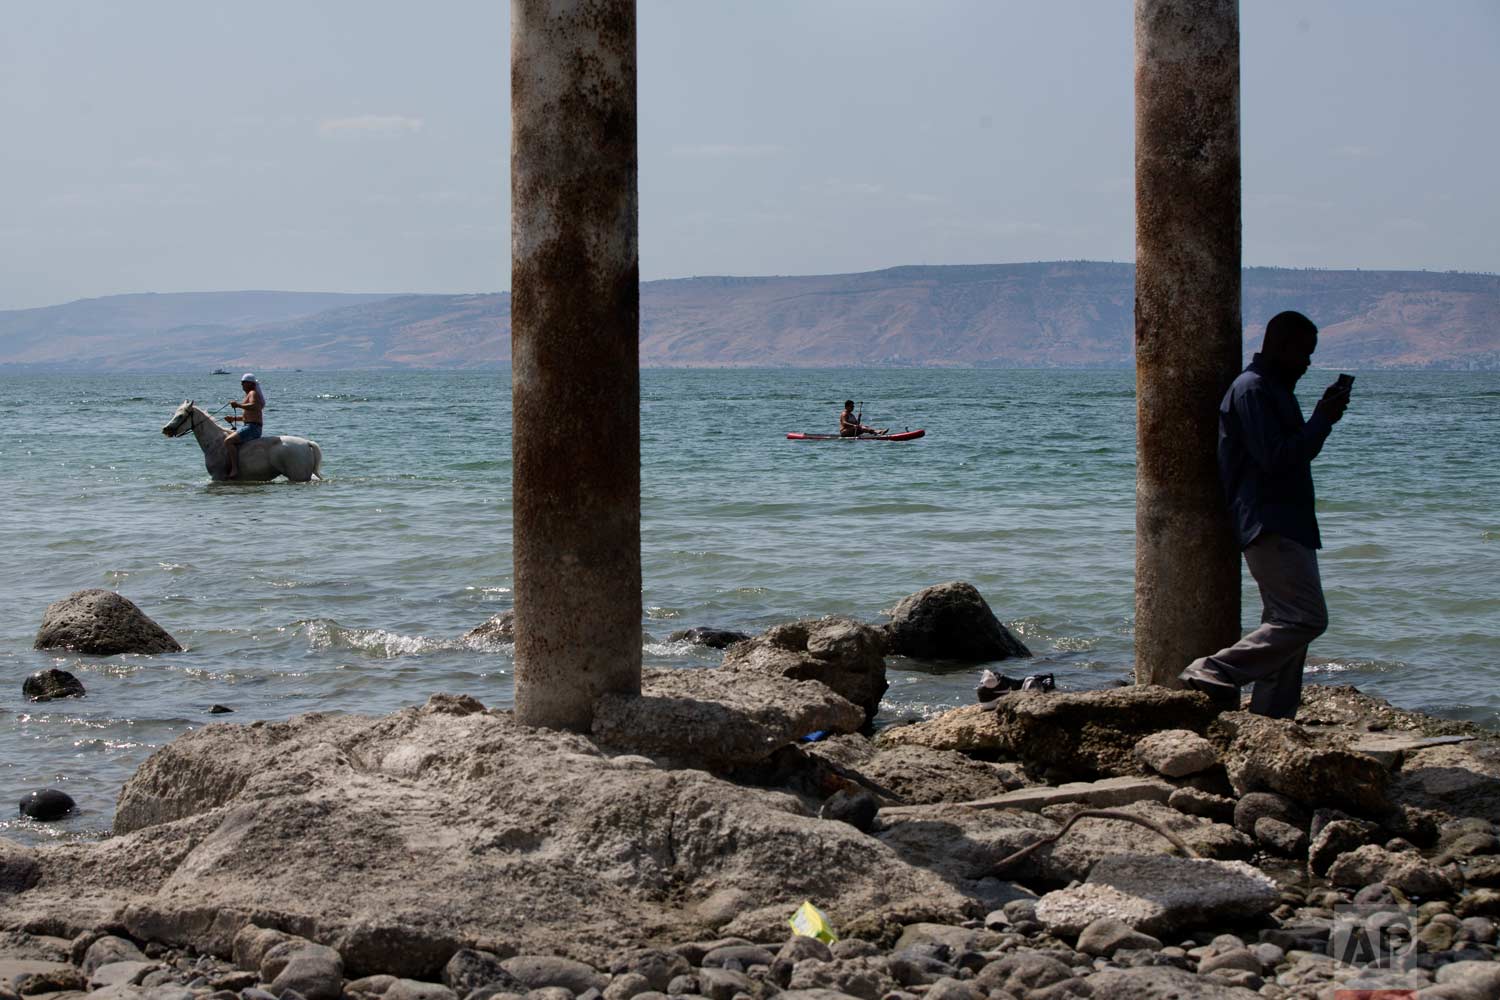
<point>353,594</point>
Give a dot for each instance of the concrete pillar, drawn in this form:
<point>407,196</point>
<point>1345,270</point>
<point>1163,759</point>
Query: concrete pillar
<point>1187,327</point>
<point>575,313</point>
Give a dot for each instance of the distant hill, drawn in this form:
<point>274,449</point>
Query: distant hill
<point>148,330</point>
<point>1062,314</point>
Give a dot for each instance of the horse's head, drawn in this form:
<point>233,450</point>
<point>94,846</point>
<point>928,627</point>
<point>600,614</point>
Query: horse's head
<point>181,420</point>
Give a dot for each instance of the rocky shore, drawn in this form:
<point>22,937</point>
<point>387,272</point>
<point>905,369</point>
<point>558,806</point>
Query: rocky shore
<point>1125,843</point>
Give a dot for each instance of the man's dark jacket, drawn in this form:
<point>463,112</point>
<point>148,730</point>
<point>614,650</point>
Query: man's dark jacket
<point>1265,456</point>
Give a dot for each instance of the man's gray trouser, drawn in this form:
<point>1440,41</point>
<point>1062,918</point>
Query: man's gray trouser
<point>1293,615</point>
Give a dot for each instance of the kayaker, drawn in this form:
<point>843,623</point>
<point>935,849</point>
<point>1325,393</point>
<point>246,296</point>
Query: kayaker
<point>849,425</point>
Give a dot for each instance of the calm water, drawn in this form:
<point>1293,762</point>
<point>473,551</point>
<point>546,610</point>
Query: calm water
<point>352,594</point>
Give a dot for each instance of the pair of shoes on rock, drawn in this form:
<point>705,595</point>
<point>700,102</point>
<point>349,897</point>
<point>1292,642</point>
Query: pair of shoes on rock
<point>1225,696</point>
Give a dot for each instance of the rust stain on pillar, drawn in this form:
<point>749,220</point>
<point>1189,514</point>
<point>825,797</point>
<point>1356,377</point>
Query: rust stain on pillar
<point>1187,326</point>
<point>575,312</point>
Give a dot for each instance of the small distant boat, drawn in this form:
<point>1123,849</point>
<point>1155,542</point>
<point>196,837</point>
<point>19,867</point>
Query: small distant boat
<point>899,436</point>
<point>219,371</point>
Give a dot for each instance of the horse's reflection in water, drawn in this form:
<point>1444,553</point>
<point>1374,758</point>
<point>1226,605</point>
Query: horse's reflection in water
<point>263,459</point>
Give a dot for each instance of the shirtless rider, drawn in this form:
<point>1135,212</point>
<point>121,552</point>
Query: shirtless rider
<point>253,403</point>
<point>849,425</point>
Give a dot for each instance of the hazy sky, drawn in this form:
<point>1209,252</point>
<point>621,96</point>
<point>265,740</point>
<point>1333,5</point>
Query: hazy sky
<point>363,145</point>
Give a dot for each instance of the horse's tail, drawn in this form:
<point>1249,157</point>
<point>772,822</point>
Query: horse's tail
<point>317,469</point>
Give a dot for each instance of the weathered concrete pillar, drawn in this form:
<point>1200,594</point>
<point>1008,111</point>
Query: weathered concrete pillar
<point>1187,326</point>
<point>575,312</point>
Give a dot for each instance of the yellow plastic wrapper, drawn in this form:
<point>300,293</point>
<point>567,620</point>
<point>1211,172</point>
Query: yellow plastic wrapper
<point>809,921</point>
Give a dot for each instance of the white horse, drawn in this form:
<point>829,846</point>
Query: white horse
<point>263,459</point>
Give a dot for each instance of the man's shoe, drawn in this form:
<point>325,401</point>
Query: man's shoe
<point>1226,697</point>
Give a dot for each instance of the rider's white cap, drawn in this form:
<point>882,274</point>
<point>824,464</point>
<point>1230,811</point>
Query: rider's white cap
<point>247,377</point>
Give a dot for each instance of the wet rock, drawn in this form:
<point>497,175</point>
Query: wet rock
<point>1176,753</point>
<point>1107,935</point>
<point>1410,873</point>
<point>717,718</point>
<point>47,685</point>
<point>1277,755</point>
<point>713,638</point>
<point>1280,838</point>
<point>47,805</point>
<point>18,867</point>
<point>1338,837</point>
<point>1205,804</point>
<point>103,623</point>
<point>950,621</point>
<point>1062,735</point>
<point>845,655</point>
<point>497,629</point>
<point>1160,895</point>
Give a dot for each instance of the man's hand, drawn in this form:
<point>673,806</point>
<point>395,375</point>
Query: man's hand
<point>236,403</point>
<point>1333,404</point>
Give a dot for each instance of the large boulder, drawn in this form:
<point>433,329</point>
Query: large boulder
<point>842,653</point>
<point>1159,894</point>
<point>1278,755</point>
<point>1062,735</point>
<point>399,840</point>
<point>1455,781</point>
<point>950,621</point>
<point>103,623</point>
<point>919,775</point>
<point>964,843</point>
<point>719,719</point>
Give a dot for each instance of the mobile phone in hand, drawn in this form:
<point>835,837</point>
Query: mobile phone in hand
<point>1344,383</point>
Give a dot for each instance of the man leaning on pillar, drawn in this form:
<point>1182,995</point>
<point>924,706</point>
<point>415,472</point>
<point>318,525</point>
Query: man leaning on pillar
<point>1266,451</point>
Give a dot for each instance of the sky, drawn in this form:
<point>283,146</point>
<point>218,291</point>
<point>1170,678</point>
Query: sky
<point>363,145</point>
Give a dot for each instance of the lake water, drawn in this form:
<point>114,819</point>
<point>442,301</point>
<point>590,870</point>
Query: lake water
<point>352,594</point>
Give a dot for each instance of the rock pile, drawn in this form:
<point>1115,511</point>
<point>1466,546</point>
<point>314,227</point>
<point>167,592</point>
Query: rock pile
<point>1123,843</point>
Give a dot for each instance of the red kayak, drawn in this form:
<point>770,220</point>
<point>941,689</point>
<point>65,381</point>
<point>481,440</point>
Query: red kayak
<point>901,436</point>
